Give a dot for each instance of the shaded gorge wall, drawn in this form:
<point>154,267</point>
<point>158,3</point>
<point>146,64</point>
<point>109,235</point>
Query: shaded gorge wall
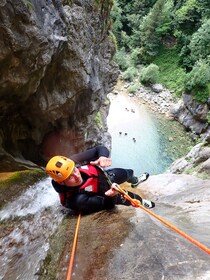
<point>56,71</point>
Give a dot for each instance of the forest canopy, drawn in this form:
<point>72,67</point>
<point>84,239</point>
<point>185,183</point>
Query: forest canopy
<point>173,35</point>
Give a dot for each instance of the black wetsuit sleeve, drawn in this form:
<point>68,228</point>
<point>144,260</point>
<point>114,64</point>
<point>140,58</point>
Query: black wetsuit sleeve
<point>91,154</point>
<point>89,203</point>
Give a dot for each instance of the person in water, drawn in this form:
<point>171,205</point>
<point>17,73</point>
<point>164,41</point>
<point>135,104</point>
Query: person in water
<point>85,188</point>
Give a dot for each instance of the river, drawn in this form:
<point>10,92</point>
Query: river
<point>141,139</point>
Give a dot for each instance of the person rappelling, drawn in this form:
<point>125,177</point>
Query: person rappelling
<point>86,187</point>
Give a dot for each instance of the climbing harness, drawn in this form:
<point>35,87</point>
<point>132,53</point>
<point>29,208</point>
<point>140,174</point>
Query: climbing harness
<point>73,249</point>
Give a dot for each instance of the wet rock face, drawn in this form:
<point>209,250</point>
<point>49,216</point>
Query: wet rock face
<point>56,71</point>
<point>130,243</point>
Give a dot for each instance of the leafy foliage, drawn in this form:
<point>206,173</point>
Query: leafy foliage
<point>149,74</point>
<point>171,74</point>
<point>166,24</point>
<point>135,56</point>
<point>188,16</point>
<point>134,87</point>
<point>130,74</point>
<point>117,21</point>
<point>130,14</point>
<point>200,42</point>
<point>143,30</point>
<point>198,81</point>
<point>121,59</point>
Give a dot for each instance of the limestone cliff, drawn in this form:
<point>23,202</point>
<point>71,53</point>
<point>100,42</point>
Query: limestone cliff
<point>56,71</point>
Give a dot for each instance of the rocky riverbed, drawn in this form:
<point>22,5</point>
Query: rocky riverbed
<point>191,114</point>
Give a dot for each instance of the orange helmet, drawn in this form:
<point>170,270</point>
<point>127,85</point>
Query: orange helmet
<point>59,168</point>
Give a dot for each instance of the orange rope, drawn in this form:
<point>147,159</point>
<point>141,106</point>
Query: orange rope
<point>136,203</point>
<point>73,249</point>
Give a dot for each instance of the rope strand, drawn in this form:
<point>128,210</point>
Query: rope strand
<point>136,203</point>
<point>73,249</point>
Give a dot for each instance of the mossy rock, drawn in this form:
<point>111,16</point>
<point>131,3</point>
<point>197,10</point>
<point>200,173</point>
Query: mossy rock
<point>13,183</point>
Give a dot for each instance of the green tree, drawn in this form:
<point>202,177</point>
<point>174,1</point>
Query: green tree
<point>150,40</point>
<point>188,16</point>
<point>116,15</point>
<point>197,81</point>
<point>204,8</point>
<point>149,74</point>
<point>178,3</point>
<point>121,58</point>
<point>200,43</point>
<point>136,10</point>
<point>142,28</point>
<point>130,14</point>
<point>166,24</point>
<point>130,73</point>
<point>135,56</point>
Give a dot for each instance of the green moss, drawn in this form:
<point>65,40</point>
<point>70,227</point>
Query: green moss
<point>59,242</point>
<point>13,183</point>
<point>69,2</point>
<point>21,177</point>
<point>107,2</point>
<point>98,120</point>
<point>28,4</point>
<point>113,39</point>
<point>208,117</point>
